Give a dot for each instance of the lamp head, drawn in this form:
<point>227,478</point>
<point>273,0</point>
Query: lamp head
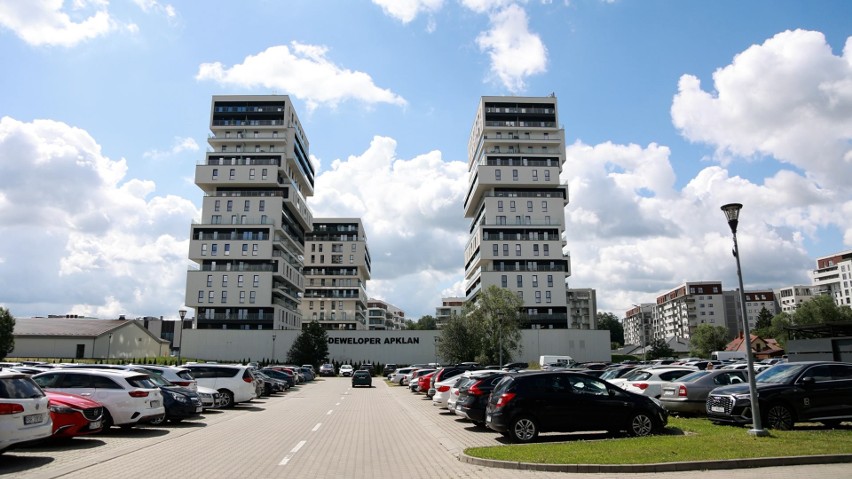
<point>732,212</point>
<point>182,313</point>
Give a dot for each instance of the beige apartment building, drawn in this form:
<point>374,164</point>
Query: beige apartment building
<point>679,311</point>
<point>248,246</point>
<point>449,306</point>
<point>790,297</point>
<point>638,325</point>
<point>833,277</point>
<point>756,301</point>
<point>337,268</point>
<point>582,308</point>
<point>382,315</point>
<point>515,203</point>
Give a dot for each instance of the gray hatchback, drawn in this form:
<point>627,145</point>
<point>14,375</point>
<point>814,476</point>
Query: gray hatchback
<point>362,378</point>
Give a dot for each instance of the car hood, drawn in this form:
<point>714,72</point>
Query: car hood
<point>70,400</point>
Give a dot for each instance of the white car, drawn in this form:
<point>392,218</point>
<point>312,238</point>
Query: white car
<point>650,382</point>
<point>129,397</point>
<point>398,375</point>
<point>466,377</point>
<point>235,383</point>
<point>24,416</point>
<point>176,375</point>
<point>346,370</point>
<point>443,390</point>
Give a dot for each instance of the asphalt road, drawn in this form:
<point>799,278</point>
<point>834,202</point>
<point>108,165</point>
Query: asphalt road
<point>325,429</point>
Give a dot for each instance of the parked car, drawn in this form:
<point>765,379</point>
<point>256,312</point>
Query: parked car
<point>473,397</point>
<point>368,367</point>
<point>129,397</point>
<point>423,383</point>
<point>24,414</point>
<point>688,394</point>
<point>176,375</point>
<point>812,391</point>
<point>523,405</point>
<point>326,369</point>
<point>388,369</point>
<point>234,382</point>
<point>443,390</point>
<point>399,374</point>
<point>414,381</point>
<point>442,374</point>
<point>279,374</point>
<point>270,385</point>
<point>618,372</point>
<point>362,377</point>
<point>74,415</point>
<point>346,370</point>
<point>466,378</point>
<point>650,382</point>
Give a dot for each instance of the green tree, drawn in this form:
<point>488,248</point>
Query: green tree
<point>7,327</point>
<point>764,319</point>
<point>459,340</point>
<point>486,330</point>
<point>660,349</point>
<point>779,329</point>
<point>818,310</point>
<point>613,324</point>
<point>310,346</point>
<point>707,338</point>
<point>426,323</point>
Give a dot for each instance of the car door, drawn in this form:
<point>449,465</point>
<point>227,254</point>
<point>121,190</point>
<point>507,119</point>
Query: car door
<point>815,394</point>
<point>593,409</point>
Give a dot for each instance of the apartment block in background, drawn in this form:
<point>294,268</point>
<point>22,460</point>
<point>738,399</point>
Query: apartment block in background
<point>337,268</point>
<point>790,297</point>
<point>679,311</point>
<point>582,308</point>
<point>638,325</point>
<point>756,301</point>
<point>449,307</point>
<point>515,203</point>
<point>833,277</point>
<point>249,244</point>
<point>382,315</point>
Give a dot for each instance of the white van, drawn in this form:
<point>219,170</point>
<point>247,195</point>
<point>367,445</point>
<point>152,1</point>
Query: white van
<point>545,360</point>
<point>724,355</point>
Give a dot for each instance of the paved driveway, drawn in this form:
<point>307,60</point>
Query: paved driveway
<point>322,430</point>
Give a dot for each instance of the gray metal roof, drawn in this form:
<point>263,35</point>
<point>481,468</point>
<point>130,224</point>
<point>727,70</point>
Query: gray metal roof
<point>66,326</point>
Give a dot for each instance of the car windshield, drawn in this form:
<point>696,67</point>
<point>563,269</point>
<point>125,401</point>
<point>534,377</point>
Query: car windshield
<point>633,375</point>
<point>611,374</point>
<point>780,374</point>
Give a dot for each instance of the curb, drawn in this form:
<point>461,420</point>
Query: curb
<point>663,466</point>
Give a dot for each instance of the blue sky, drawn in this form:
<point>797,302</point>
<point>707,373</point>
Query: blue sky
<point>670,109</point>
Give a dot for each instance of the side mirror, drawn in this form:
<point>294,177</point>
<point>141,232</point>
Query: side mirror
<point>808,382</point>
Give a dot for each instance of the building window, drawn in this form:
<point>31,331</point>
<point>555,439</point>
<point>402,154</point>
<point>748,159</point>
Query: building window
<point>499,205</point>
<point>504,281</point>
<point>211,297</point>
<point>216,219</point>
<point>252,297</point>
<point>214,249</point>
<point>204,250</point>
<point>517,250</point>
<point>535,250</point>
<point>520,280</point>
<point>546,249</point>
<point>201,296</point>
<point>512,205</point>
<point>245,249</point>
<point>254,250</point>
<point>495,248</point>
<point>262,205</point>
<point>550,281</point>
<point>242,297</point>
<point>229,206</point>
<point>240,280</point>
<point>546,175</point>
<point>224,280</point>
<point>209,280</point>
<point>247,205</point>
<point>224,297</point>
<point>264,174</point>
<point>543,205</point>
<point>216,173</point>
<point>506,249</point>
<point>514,175</point>
<point>227,249</point>
<point>529,206</point>
<point>251,173</point>
<point>538,297</point>
<point>256,281</point>
<point>232,175</point>
<point>233,219</point>
<point>535,281</point>
<point>535,175</point>
<point>498,174</point>
<point>518,220</point>
<point>547,297</point>
<point>547,220</point>
<point>216,205</point>
<point>501,220</point>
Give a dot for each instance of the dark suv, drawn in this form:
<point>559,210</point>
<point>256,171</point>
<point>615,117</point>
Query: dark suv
<point>818,391</point>
<point>524,404</point>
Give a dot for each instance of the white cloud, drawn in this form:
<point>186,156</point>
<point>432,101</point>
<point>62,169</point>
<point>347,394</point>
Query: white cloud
<point>91,239</point>
<point>47,23</point>
<point>407,10</point>
<point>303,71</point>
<point>179,146</point>
<point>411,212</point>
<point>485,6</point>
<point>154,6</point>
<point>789,98</point>
<point>515,52</point>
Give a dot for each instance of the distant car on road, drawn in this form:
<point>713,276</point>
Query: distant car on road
<point>362,378</point>
<point>326,369</point>
<point>346,370</point>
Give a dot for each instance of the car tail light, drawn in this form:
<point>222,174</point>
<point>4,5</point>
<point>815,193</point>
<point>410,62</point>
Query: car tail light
<point>456,392</point>
<point>181,383</point>
<point>642,386</point>
<point>443,388</point>
<point>474,390</point>
<point>138,394</point>
<point>504,399</point>
<point>681,391</point>
<point>11,408</point>
<point>247,377</point>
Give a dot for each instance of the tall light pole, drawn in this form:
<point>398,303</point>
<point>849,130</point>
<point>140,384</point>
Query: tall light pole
<point>273,349</point>
<point>732,212</point>
<point>109,344</point>
<point>182,313</point>
<point>500,336</point>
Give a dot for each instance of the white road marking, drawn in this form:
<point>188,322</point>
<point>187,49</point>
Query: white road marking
<point>337,404</point>
<point>316,427</point>
<point>329,412</point>
<point>292,451</point>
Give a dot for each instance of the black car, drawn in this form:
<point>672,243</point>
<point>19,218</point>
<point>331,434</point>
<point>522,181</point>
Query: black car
<point>819,391</point>
<point>282,375</point>
<point>362,377</point>
<point>473,397</point>
<point>180,402</point>
<point>523,405</point>
<point>388,369</point>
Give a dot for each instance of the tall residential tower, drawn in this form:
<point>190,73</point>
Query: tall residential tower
<point>515,203</point>
<point>249,245</point>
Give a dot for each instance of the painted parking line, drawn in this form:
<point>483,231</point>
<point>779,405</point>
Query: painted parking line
<point>292,452</point>
<point>329,412</point>
<point>316,428</point>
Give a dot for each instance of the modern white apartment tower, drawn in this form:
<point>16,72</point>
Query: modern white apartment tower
<point>449,306</point>
<point>249,244</point>
<point>515,203</point>
<point>337,268</point>
<point>383,315</point>
<point>638,325</point>
<point>833,277</point>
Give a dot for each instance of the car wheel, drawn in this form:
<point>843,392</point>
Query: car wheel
<point>227,398</point>
<point>523,429</point>
<point>779,416</point>
<point>641,424</point>
<point>107,421</point>
<point>479,423</point>
<point>157,421</point>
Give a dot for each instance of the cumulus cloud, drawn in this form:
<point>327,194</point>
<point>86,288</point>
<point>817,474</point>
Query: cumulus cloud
<point>303,71</point>
<point>157,7</point>
<point>48,23</point>
<point>411,210</point>
<point>407,10</point>
<point>179,146</point>
<point>789,98</point>
<point>515,52</point>
<point>94,241</point>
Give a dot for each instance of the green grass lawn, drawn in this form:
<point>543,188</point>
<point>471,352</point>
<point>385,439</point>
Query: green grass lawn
<point>684,440</point>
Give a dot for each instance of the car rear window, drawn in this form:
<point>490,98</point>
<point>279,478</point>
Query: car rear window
<point>141,381</point>
<point>505,383</point>
<point>19,388</point>
<point>693,376</point>
<point>185,375</point>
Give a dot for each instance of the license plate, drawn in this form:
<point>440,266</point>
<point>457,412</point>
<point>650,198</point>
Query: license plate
<point>717,409</point>
<point>668,393</point>
<point>488,418</point>
<point>33,419</point>
<point>95,425</point>
<point>155,403</point>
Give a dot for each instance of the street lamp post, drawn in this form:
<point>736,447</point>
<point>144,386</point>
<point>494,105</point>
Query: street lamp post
<point>109,345</point>
<point>182,314</point>
<point>500,336</point>
<point>273,348</point>
<point>732,212</point>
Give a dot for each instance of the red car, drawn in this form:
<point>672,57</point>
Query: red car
<point>74,415</point>
<point>423,382</point>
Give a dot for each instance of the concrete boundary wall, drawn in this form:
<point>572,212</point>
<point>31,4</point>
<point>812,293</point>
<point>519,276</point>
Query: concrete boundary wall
<point>400,347</point>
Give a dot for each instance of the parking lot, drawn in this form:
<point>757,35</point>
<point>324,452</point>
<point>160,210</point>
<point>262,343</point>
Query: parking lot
<point>323,429</point>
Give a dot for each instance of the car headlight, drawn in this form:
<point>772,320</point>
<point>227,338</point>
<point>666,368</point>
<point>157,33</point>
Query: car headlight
<point>62,410</point>
<point>178,397</point>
